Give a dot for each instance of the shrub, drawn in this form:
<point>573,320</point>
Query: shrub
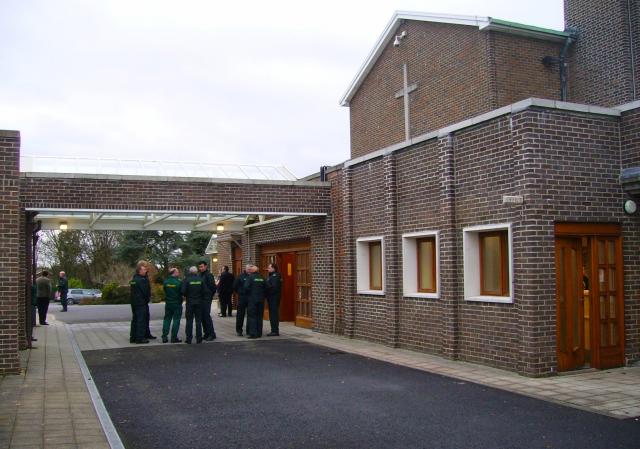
<point>75,283</point>
<point>157,293</point>
<point>112,293</point>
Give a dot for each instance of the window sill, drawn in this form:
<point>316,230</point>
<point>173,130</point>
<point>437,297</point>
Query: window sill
<point>422,295</point>
<point>499,299</point>
<point>371,292</point>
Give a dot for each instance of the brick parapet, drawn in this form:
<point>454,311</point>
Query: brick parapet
<point>138,194</point>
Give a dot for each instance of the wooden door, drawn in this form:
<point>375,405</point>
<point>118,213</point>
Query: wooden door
<point>304,309</point>
<point>597,250</point>
<point>608,310</point>
<point>569,304</point>
<point>287,300</point>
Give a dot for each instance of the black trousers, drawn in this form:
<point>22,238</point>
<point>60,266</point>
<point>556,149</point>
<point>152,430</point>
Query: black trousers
<point>194,311</point>
<point>225,304</point>
<point>274,314</point>
<point>139,322</point>
<point>207,322</point>
<point>43,308</point>
<point>63,300</point>
<point>255,311</point>
<point>240,313</point>
<point>147,317</point>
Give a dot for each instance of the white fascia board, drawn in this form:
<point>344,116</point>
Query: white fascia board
<point>391,28</point>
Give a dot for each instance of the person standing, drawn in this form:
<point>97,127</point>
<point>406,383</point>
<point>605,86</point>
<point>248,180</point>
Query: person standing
<point>254,288</point>
<point>238,287</point>
<point>43,293</point>
<point>172,306</point>
<point>209,284</point>
<point>225,290</point>
<point>194,292</point>
<point>273,288</point>
<point>63,289</point>
<point>140,297</point>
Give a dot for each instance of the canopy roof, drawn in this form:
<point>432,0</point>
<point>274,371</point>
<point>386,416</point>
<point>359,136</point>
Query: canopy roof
<point>135,167</point>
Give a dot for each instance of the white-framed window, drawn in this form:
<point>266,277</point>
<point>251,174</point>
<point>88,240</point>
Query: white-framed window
<point>488,263</point>
<point>421,264</point>
<point>370,265</point>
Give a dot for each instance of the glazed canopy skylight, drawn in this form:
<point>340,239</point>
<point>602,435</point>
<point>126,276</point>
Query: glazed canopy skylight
<point>135,167</point>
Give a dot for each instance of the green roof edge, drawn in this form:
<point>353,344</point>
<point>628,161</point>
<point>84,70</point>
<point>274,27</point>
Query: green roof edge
<point>521,26</point>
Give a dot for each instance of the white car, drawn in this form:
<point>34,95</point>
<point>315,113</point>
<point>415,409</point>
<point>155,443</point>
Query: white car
<point>75,295</point>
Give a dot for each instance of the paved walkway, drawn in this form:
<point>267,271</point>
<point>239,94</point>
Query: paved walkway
<point>51,397</point>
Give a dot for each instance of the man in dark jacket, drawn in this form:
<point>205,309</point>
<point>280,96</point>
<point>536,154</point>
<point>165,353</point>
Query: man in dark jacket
<point>172,287</point>
<point>44,292</point>
<point>194,291</point>
<point>210,289</point>
<point>225,290</point>
<point>238,287</point>
<point>140,297</point>
<point>63,289</point>
<point>254,288</point>
<point>273,287</point>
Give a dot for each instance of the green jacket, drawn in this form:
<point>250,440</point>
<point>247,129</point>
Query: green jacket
<point>140,290</point>
<point>172,291</point>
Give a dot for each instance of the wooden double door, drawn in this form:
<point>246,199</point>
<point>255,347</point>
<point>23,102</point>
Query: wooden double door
<point>294,263</point>
<point>589,296</point>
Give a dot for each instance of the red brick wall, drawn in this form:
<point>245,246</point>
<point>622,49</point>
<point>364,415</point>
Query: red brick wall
<point>461,72</point>
<point>85,193</point>
<point>10,289</point>
<point>564,164</point>
<point>318,231</point>
<point>519,70</point>
<point>600,70</point>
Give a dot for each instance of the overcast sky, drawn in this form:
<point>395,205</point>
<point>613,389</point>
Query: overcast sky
<point>254,82</point>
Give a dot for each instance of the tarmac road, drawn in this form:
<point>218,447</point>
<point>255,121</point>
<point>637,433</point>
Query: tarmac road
<point>286,393</point>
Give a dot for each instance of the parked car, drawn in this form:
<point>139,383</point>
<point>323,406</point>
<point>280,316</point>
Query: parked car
<point>75,295</point>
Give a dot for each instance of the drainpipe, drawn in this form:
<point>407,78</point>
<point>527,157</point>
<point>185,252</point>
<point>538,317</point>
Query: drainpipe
<point>561,60</point>
<point>633,59</point>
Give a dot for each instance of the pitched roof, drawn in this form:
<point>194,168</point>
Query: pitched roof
<point>483,24</point>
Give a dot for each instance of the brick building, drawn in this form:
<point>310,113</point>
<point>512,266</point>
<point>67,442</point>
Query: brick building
<point>480,216</point>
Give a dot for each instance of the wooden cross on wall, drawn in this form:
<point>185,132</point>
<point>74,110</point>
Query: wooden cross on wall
<point>404,93</point>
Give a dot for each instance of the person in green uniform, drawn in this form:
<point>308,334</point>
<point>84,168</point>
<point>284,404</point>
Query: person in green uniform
<point>273,289</point>
<point>140,298</point>
<point>194,292</point>
<point>254,288</point>
<point>172,306</point>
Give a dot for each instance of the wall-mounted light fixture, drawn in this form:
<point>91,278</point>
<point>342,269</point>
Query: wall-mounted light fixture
<point>399,37</point>
<point>63,226</point>
<point>630,207</point>
<point>215,259</point>
<point>219,227</point>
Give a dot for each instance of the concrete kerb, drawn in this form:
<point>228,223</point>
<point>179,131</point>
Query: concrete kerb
<point>105,420</point>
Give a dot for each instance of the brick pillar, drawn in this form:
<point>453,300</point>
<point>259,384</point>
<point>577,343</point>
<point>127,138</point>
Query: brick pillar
<point>533,271</point>
<point>9,250</point>
<point>393,267</point>
<point>349,260</point>
<point>450,272</point>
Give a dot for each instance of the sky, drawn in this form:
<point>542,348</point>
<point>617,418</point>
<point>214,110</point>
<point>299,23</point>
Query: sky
<point>244,82</point>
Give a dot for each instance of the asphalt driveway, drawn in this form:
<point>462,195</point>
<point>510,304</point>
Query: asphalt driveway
<point>290,394</point>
